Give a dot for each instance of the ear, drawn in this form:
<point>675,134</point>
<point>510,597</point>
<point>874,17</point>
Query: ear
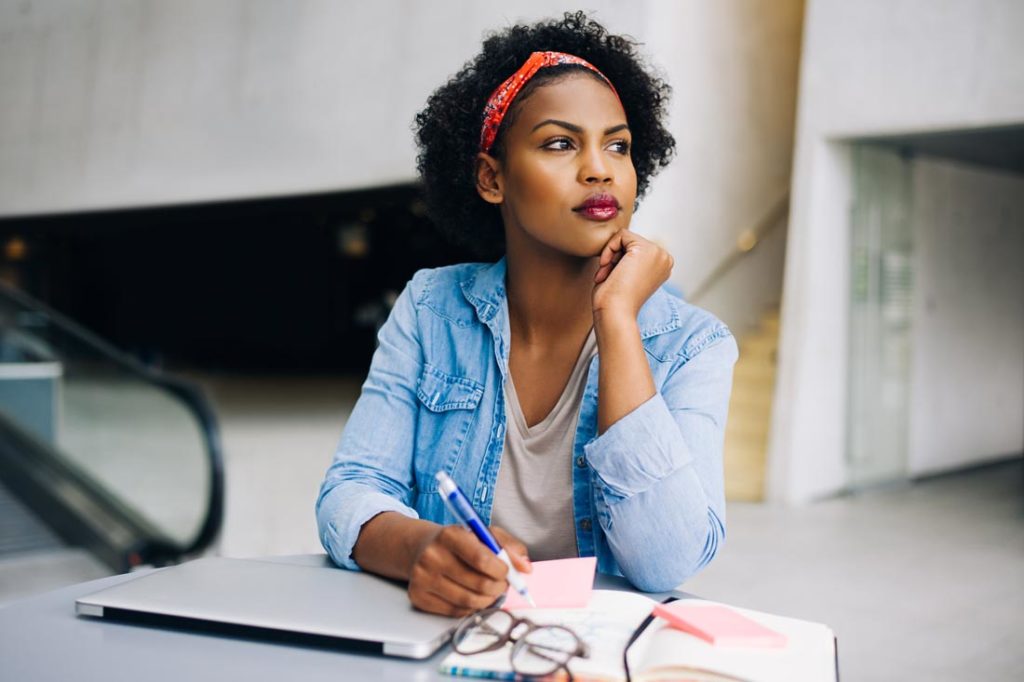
<point>489,181</point>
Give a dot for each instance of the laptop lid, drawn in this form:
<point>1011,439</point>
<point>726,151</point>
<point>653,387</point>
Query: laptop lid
<point>321,605</point>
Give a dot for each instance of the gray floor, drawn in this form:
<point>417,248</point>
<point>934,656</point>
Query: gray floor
<point>919,582</point>
<point>923,582</point>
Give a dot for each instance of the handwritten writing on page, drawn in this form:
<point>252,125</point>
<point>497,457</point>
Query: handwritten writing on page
<point>557,584</point>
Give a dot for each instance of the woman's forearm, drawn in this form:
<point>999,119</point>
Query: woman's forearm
<point>666,455</point>
<point>389,543</point>
<point>624,377</point>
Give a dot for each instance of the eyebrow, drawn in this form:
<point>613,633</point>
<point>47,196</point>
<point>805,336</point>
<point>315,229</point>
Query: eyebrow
<point>575,128</point>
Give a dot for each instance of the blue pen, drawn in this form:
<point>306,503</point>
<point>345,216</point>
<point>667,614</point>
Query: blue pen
<point>459,505</point>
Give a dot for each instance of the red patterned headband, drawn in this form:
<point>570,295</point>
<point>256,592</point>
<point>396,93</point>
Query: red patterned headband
<point>501,99</point>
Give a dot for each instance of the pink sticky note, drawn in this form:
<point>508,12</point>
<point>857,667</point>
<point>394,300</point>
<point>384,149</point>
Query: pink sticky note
<point>557,584</point>
<point>719,625</point>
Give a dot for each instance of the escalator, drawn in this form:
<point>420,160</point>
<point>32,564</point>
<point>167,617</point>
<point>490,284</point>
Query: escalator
<point>98,451</point>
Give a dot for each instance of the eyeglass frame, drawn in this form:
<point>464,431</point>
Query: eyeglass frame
<point>636,635</point>
<point>640,629</point>
<point>517,621</point>
<point>518,641</point>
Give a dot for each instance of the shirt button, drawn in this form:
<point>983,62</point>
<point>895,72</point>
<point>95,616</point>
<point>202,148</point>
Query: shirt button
<point>581,461</point>
<point>585,525</point>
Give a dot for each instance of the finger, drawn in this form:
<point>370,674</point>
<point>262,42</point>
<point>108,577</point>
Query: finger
<point>458,596</point>
<point>431,603</point>
<point>613,245</point>
<point>627,237</point>
<point>605,270</point>
<point>610,255</point>
<point>442,579</point>
<point>516,549</point>
<point>472,580</point>
<point>474,553</point>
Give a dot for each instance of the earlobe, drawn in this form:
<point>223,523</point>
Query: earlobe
<point>488,179</point>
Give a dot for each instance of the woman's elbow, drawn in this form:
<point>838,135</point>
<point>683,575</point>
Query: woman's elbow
<point>663,577</point>
<point>667,570</point>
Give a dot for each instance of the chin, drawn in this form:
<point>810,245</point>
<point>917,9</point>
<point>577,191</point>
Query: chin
<point>593,249</point>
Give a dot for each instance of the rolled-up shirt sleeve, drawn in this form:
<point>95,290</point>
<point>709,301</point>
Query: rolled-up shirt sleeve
<point>372,469</point>
<point>660,491</point>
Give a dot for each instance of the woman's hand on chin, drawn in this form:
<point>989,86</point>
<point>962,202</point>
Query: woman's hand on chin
<point>631,269</point>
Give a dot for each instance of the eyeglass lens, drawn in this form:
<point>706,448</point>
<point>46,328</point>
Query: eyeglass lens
<point>544,650</point>
<point>484,631</point>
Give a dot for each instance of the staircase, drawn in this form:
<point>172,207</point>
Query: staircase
<point>750,412</point>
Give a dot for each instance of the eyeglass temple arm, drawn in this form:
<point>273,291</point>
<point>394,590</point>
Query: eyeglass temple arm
<point>636,635</point>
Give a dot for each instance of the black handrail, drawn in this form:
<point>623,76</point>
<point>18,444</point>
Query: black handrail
<point>188,393</point>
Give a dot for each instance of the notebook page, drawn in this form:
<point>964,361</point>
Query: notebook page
<point>808,655</point>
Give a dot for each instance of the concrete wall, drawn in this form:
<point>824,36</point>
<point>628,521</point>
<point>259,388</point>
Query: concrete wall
<point>967,367</point>
<point>143,102</point>
<point>869,67</point>
<point>734,66</point>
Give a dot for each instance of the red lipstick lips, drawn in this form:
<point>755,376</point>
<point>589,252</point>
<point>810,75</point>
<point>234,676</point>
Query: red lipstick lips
<point>600,207</point>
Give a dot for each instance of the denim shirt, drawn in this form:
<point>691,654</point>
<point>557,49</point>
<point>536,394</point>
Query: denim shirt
<point>647,494</point>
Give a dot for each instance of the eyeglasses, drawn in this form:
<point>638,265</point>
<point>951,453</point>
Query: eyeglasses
<point>537,650</point>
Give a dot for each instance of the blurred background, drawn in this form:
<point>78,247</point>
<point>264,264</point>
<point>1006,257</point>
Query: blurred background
<point>208,208</point>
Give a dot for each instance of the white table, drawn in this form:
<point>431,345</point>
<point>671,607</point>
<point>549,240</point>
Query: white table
<point>41,638</point>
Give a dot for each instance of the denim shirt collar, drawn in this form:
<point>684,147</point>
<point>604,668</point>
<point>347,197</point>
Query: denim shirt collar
<point>485,291</point>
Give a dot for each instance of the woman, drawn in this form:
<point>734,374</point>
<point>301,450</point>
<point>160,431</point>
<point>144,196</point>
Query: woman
<point>579,405</point>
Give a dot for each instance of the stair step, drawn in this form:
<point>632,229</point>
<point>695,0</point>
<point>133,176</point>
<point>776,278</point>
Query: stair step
<point>748,490</point>
<point>770,323</point>
<point>749,372</point>
<point>743,421</point>
<point>749,398</point>
<point>747,433</point>
<point>750,411</point>
<point>744,479</point>
<point>761,348</point>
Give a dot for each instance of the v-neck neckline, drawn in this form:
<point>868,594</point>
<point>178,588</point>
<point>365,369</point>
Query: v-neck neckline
<point>513,398</point>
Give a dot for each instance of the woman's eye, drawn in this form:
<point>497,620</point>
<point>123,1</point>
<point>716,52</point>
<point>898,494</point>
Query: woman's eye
<point>559,144</point>
<point>620,146</point>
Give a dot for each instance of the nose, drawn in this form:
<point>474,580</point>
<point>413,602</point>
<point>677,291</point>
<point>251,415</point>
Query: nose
<point>594,166</point>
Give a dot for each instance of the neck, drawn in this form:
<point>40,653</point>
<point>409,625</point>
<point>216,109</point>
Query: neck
<point>549,293</point>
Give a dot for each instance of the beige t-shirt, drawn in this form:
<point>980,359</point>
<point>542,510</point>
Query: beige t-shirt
<point>533,495</point>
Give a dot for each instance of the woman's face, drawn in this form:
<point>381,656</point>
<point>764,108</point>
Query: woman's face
<point>567,180</point>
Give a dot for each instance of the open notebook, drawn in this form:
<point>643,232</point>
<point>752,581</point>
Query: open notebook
<point>663,652</point>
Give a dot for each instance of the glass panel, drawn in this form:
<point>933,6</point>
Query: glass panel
<point>880,317</point>
<point>135,438</point>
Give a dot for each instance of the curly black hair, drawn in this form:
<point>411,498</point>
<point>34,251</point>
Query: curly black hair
<point>448,128</point>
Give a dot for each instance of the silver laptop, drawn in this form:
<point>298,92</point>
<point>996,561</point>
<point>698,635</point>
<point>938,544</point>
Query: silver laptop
<point>316,604</point>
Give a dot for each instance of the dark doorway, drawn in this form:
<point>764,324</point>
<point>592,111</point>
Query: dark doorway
<point>289,284</point>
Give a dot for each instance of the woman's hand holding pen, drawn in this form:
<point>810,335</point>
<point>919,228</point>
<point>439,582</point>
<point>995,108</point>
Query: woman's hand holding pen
<point>454,574</point>
<point>631,269</point>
